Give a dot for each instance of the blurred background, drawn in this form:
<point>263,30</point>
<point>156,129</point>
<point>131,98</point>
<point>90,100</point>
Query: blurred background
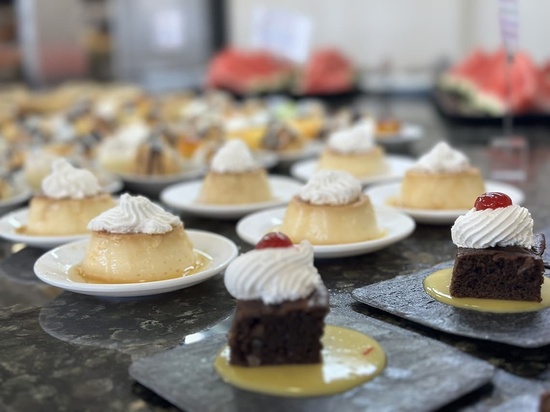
<point>168,44</point>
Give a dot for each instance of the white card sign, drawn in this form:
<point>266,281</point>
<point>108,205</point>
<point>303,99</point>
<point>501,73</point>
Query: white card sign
<point>284,33</point>
<point>168,29</point>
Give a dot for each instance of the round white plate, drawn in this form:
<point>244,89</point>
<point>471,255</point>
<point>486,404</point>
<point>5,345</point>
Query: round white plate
<point>13,220</point>
<point>380,194</point>
<point>408,133</point>
<point>398,165</point>
<point>311,149</point>
<point>53,268</point>
<point>397,226</point>
<point>153,185</point>
<point>183,197</point>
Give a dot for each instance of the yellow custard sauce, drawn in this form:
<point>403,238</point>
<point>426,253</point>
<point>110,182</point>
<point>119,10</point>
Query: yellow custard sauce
<point>350,358</point>
<point>437,286</point>
<point>202,261</point>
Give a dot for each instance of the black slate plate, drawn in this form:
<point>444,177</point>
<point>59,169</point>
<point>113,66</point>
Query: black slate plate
<point>529,402</point>
<point>421,374</point>
<point>404,296</point>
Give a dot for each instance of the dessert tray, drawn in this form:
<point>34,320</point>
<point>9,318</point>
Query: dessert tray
<point>153,185</point>
<point>421,374</point>
<point>54,268</point>
<point>404,296</point>
<point>397,226</point>
<point>9,223</point>
<point>408,133</point>
<point>398,165</point>
<point>379,195</point>
<point>183,197</point>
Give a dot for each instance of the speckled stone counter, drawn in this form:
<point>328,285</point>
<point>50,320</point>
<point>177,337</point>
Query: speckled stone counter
<point>69,352</point>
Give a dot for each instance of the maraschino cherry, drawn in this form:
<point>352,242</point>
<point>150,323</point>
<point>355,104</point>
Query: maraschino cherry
<point>492,200</point>
<point>274,239</point>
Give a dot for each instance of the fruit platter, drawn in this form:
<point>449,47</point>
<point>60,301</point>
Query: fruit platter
<point>476,89</point>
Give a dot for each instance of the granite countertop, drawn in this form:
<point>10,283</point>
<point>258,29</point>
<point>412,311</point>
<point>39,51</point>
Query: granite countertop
<point>65,351</point>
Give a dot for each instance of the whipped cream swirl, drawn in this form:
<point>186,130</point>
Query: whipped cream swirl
<point>356,139</point>
<point>66,181</point>
<point>273,275</point>
<point>135,214</point>
<point>331,187</point>
<point>504,226</point>
<point>442,158</point>
<point>233,157</point>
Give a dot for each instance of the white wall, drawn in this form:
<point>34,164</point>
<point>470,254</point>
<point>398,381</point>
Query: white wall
<point>411,33</point>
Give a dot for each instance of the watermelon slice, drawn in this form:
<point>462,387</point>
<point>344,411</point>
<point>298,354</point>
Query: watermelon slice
<point>248,72</point>
<point>327,71</point>
<point>482,79</point>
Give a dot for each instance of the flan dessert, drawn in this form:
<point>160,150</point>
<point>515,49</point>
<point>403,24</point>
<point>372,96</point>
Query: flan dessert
<point>136,241</point>
<point>330,209</point>
<point>282,137</point>
<point>154,157</point>
<point>37,165</point>
<point>442,179</point>
<point>353,150</point>
<point>281,304</point>
<point>498,257</point>
<point>118,153</point>
<point>235,178</point>
<point>70,198</point>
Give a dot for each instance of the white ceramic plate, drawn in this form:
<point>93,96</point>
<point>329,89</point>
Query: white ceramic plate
<point>13,220</point>
<point>397,226</point>
<point>53,268</point>
<point>153,185</point>
<point>183,197</point>
<point>408,133</point>
<point>311,149</point>
<point>380,194</point>
<point>398,165</point>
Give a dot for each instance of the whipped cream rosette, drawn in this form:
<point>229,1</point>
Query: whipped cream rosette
<point>135,214</point>
<point>330,187</point>
<point>67,181</point>
<point>442,158</point>
<point>233,157</point>
<point>357,139</point>
<point>273,275</point>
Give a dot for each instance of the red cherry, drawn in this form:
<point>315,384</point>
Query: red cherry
<point>274,239</point>
<point>492,200</point>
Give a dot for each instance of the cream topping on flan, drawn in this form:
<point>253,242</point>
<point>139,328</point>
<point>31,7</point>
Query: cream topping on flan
<point>233,157</point>
<point>356,139</point>
<point>503,226</point>
<point>331,187</point>
<point>135,214</point>
<point>67,181</point>
<point>273,275</point>
<point>442,158</point>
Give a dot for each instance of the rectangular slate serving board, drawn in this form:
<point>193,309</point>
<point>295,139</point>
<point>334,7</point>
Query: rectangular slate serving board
<point>404,296</point>
<point>421,374</point>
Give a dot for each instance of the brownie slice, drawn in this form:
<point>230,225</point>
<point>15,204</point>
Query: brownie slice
<point>509,273</point>
<point>286,333</point>
<point>544,405</point>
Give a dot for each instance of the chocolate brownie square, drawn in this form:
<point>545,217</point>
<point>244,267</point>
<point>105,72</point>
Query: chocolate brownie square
<point>285,333</point>
<point>508,273</point>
